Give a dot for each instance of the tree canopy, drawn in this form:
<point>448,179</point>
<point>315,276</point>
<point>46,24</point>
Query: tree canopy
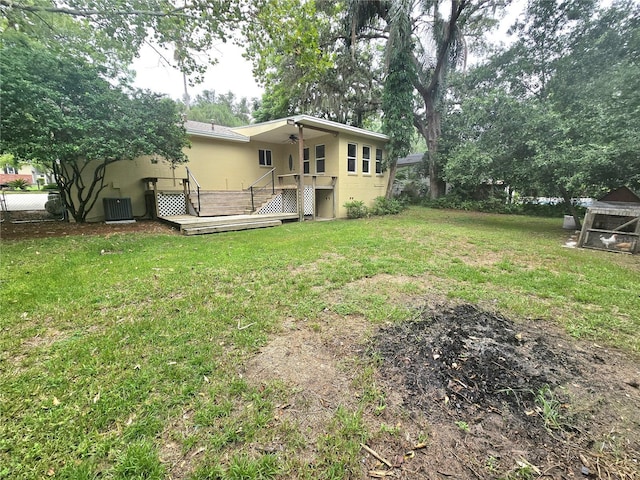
<point>556,112</point>
<point>220,109</point>
<point>111,32</point>
<point>298,56</point>
<point>362,49</point>
<point>59,111</point>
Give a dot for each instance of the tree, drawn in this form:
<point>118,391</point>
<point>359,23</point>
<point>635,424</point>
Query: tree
<point>397,98</point>
<point>220,109</point>
<point>555,113</point>
<point>57,110</point>
<point>305,69</point>
<point>111,32</point>
<point>364,37</point>
<point>437,46</point>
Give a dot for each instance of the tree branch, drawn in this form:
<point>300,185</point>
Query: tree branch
<point>456,11</point>
<point>178,12</point>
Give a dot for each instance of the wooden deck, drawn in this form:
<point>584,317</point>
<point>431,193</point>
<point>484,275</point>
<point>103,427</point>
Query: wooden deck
<point>192,225</point>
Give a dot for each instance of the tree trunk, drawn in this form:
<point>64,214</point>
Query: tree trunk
<point>571,208</point>
<point>79,197</point>
<point>393,168</point>
<point>436,186</point>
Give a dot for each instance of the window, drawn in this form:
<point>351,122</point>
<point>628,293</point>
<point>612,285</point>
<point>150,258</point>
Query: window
<point>305,158</point>
<point>379,161</point>
<point>366,159</point>
<point>352,148</point>
<point>319,158</point>
<point>264,158</point>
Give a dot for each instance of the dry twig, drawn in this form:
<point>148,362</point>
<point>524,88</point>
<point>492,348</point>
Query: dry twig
<point>377,455</point>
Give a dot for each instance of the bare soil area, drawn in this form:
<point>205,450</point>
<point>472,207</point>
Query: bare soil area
<point>469,394</point>
<point>26,229</point>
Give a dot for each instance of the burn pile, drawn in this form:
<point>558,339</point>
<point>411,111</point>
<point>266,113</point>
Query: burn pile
<point>497,396</point>
<point>470,360</point>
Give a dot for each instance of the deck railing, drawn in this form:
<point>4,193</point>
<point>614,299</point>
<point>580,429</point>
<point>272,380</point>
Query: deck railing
<point>190,177</point>
<point>255,187</point>
<point>317,181</point>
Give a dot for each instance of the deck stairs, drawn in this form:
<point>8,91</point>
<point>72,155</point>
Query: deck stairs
<point>220,203</point>
<point>229,224</point>
<point>226,211</point>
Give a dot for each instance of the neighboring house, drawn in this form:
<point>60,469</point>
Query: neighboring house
<point>340,163</point>
<point>409,179</point>
<point>9,173</point>
<point>28,173</point>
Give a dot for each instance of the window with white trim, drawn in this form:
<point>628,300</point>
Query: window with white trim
<point>352,151</point>
<point>305,163</point>
<point>379,161</point>
<point>264,158</point>
<point>319,158</point>
<point>366,159</point>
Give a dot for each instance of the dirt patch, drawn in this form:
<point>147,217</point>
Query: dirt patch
<point>45,229</point>
<point>489,398</point>
<point>505,397</point>
<point>179,464</point>
<point>312,359</point>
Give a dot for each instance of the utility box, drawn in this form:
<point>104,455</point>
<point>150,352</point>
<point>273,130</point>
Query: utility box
<point>117,209</point>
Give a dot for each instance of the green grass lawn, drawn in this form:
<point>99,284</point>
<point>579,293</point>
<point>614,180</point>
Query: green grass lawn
<point>107,342</point>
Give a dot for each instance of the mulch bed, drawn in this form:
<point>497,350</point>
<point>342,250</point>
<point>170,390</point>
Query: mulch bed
<point>27,227</point>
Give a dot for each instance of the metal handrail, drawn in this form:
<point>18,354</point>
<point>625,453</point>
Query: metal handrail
<point>273,186</point>
<point>189,177</point>
<point>269,172</point>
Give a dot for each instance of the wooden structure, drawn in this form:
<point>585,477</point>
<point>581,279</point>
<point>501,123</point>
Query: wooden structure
<point>613,223</point>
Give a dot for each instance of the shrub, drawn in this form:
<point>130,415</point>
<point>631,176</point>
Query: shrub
<point>356,209</point>
<point>50,186</point>
<point>387,206</point>
<point>499,205</point>
<point>18,184</point>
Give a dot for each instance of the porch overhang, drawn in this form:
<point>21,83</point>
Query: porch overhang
<point>285,130</point>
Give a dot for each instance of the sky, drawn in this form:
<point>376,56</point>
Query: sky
<point>231,73</point>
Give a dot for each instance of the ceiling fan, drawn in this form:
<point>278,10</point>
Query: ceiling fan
<point>292,139</point>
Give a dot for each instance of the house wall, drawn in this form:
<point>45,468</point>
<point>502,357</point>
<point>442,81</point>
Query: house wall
<point>223,165</point>
<point>229,165</point>
<point>359,186</point>
<point>356,186</point>
<point>124,179</point>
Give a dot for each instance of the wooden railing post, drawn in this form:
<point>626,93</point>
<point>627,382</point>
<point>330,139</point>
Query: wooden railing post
<point>313,197</point>
<point>301,173</point>
<point>273,181</point>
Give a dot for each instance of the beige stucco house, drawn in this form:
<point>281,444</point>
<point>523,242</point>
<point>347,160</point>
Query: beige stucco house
<point>255,169</point>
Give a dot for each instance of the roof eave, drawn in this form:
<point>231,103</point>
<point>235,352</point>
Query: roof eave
<point>306,120</point>
<point>217,136</point>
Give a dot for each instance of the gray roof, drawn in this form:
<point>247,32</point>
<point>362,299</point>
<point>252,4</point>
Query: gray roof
<point>413,159</point>
<point>620,208</point>
<point>211,130</point>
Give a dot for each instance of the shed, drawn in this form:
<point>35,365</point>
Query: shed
<point>613,223</point>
